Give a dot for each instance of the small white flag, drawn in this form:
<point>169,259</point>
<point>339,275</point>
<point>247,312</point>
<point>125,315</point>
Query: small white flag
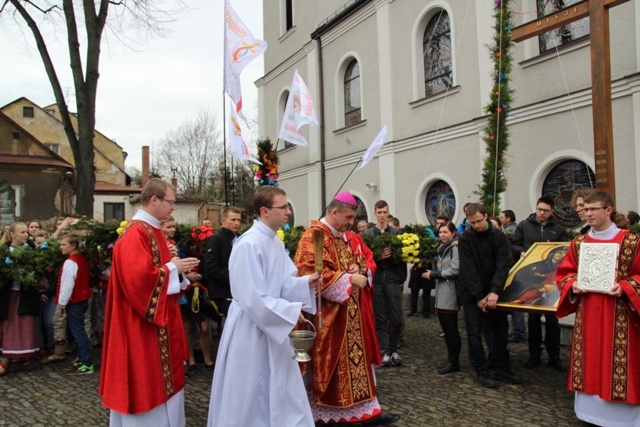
<point>237,146</point>
<point>240,49</point>
<point>298,112</point>
<point>374,147</point>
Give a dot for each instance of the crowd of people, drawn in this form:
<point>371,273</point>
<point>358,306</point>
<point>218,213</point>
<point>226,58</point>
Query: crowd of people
<point>161,292</point>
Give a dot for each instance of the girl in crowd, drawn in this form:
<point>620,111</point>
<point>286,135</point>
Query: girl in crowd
<point>188,317</point>
<point>33,227</point>
<point>19,308</point>
<point>447,301</point>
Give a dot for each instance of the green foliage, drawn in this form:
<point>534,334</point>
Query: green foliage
<point>97,239</point>
<point>496,132</point>
<point>378,244</point>
<point>291,239</point>
<point>182,235</point>
<point>29,266</point>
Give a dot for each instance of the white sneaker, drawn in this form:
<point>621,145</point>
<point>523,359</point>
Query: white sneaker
<point>395,359</point>
<point>386,361</point>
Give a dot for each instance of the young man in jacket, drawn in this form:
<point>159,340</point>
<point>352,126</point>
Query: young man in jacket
<point>540,226</point>
<point>484,266</point>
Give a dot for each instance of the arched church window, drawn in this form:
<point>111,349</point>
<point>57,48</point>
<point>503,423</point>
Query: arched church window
<point>352,98</point>
<point>440,200</point>
<point>560,184</point>
<point>436,49</point>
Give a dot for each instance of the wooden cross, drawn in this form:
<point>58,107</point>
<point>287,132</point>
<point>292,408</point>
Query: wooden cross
<point>598,13</point>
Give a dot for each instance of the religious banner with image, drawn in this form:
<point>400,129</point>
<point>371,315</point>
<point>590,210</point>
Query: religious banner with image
<point>531,284</point>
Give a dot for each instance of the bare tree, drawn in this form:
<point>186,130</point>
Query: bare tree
<point>193,151</point>
<point>93,19</point>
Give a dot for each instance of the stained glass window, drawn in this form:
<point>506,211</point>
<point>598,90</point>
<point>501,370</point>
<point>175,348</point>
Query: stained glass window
<point>440,201</point>
<point>563,35</point>
<point>352,101</point>
<point>436,48</point>
<point>560,183</point>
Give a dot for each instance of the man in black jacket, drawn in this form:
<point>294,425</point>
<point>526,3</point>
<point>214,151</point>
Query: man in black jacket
<point>484,266</point>
<point>540,226</point>
<point>216,259</point>
<point>387,282</point>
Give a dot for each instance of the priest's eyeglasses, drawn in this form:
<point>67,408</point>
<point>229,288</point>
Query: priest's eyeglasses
<point>587,210</point>
<point>283,208</point>
<point>171,202</point>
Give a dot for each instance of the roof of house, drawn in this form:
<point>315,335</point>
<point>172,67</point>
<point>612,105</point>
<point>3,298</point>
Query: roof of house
<point>105,187</point>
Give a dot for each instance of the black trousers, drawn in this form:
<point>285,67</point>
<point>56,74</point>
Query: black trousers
<point>449,324</point>
<point>551,338</point>
<point>499,323</point>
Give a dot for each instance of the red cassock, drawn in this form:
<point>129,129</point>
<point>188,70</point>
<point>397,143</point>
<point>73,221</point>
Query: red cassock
<point>144,344</point>
<point>606,337</point>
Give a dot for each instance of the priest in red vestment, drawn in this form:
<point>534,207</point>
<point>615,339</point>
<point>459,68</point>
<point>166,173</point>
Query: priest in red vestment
<point>144,347</point>
<point>604,370</point>
<point>343,384</point>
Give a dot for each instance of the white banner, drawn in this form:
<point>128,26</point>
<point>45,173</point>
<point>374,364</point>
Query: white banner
<point>237,146</point>
<point>240,49</point>
<point>298,112</point>
<point>374,147</point>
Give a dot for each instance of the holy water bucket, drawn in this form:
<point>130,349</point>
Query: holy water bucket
<point>302,341</point>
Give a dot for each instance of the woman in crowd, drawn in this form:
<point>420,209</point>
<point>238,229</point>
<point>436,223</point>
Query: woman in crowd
<point>19,308</point>
<point>447,301</point>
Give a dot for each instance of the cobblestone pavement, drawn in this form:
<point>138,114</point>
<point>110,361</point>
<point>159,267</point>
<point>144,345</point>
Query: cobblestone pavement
<point>48,396</point>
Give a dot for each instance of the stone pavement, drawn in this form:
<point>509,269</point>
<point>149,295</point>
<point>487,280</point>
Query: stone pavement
<point>48,396</point>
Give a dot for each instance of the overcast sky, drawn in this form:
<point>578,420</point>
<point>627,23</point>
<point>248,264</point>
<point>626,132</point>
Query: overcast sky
<point>144,92</point>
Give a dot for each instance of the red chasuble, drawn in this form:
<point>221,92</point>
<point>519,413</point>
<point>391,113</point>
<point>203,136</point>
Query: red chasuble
<point>606,336</point>
<point>144,343</point>
<point>346,345</point>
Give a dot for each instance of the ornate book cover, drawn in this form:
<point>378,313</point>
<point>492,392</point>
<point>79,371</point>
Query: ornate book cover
<point>597,266</point>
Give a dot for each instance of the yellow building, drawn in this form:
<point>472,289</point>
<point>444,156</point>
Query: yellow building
<point>112,190</point>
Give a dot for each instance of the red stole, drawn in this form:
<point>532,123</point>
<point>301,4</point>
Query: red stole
<point>606,336</point>
<point>144,343</point>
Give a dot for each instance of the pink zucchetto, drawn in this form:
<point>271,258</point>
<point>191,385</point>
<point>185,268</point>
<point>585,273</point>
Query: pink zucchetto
<point>346,197</point>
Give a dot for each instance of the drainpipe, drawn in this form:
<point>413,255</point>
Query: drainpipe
<point>323,180</point>
<point>347,10</point>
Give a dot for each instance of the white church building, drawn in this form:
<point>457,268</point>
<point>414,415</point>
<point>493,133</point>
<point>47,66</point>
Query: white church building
<point>423,69</point>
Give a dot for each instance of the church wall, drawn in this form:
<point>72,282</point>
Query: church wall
<point>546,125</point>
<point>298,195</point>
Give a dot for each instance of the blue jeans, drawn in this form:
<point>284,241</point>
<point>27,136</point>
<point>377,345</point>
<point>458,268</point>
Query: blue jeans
<point>517,324</point>
<point>75,323</point>
<point>47,312</point>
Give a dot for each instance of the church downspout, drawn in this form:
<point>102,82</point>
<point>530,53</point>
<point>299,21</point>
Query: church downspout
<point>323,181</point>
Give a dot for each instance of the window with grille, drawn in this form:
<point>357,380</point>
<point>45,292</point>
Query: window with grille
<point>352,98</point>
<point>436,49</point>
<point>563,35</point>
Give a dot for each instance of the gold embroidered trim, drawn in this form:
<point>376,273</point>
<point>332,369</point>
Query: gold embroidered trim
<point>620,364</point>
<point>577,361</point>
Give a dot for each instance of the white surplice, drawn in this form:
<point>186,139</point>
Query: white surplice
<point>256,382</point>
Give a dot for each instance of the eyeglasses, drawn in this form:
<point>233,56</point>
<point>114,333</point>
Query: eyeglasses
<point>587,210</point>
<point>171,202</point>
<point>283,208</point>
<point>543,210</point>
